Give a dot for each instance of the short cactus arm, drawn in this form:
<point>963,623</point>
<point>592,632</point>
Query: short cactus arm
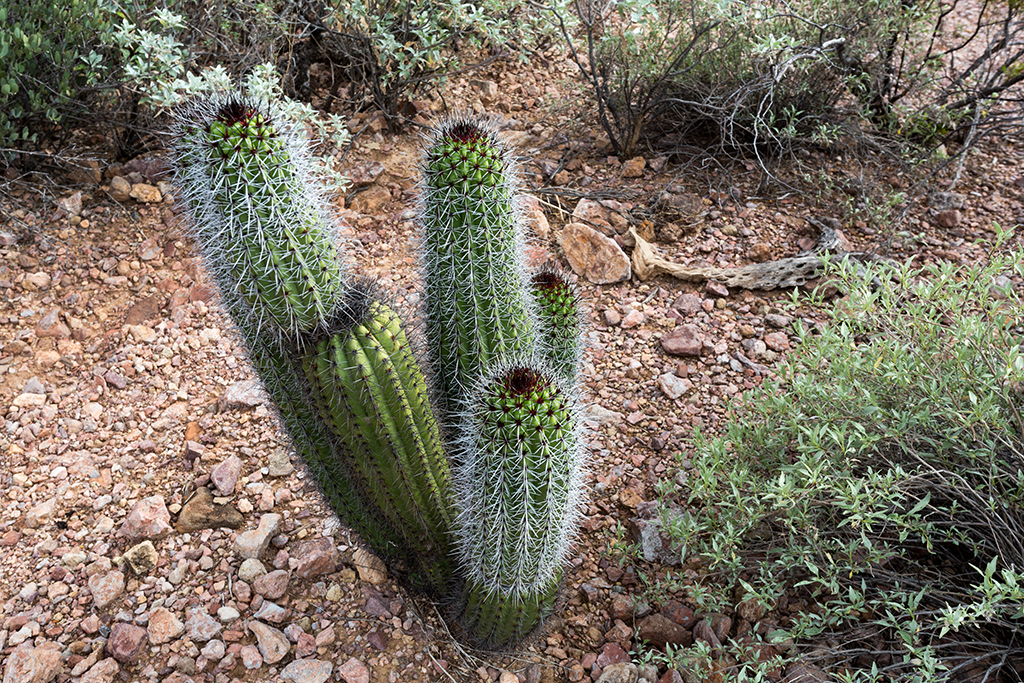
<point>372,394</point>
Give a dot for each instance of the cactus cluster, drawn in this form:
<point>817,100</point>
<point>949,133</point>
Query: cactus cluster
<point>478,505</point>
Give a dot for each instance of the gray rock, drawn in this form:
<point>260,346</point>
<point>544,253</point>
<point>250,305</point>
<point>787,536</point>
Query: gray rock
<point>623,672</point>
<point>33,386</point>
<point>307,671</point>
<point>252,544</point>
<point>242,395</point>
<point>214,650</point>
<point>272,643</point>
<point>251,570</point>
<point>674,386</point>
<point>272,612</point>
<point>280,464</point>
<point>200,625</point>
<point>142,558</point>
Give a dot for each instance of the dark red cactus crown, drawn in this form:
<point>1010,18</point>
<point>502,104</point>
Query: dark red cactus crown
<point>546,280</point>
<point>236,111</point>
<point>522,381</point>
<point>464,131</point>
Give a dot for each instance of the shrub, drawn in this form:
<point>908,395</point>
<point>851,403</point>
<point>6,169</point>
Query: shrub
<point>49,57</point>
<point>763,77</point>
<point>881,480</point>
<point>389,51</point>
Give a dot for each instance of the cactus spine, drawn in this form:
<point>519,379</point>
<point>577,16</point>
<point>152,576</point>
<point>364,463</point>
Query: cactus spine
<point>478,307</point>
<point>501,504</point>
<point>519,495</point>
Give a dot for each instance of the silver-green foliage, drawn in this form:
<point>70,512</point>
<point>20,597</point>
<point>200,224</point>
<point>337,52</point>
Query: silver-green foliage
<point>881,477</point>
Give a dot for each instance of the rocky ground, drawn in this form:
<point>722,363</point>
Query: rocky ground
<point>155,526</point>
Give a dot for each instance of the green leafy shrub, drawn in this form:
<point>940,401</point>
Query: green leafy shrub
<point>49,58</point>
<point>880,480</point>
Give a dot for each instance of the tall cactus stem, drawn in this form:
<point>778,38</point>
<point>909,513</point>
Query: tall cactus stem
<point>261,224</point>
<point>478,309</point>
<point>519,489</point>
<point>560,321</point>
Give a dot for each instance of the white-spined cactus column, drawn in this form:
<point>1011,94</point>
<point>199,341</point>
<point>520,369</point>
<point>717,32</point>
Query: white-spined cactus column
<point>520,495</point>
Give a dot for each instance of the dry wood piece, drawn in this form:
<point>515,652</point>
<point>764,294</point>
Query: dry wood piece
<point>784,273</point>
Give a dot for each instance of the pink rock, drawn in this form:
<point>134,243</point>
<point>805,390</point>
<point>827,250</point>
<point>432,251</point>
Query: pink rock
<point>634,168</point>
<point>106,588</point>
<point>354,671</point>
<point>51,326</point>
<point>102,671</point>
<point>29,664</point>
<point>688,304</point>
<point>272,585</point>
<point>148,518</point>
<point>305,645</point>
<point>251,657</point>
<point>273,644</point>
<point>91,624</point>
<point>594,256</point>
<point>307,671</point>
<point>685,340</point>
<point>716,290</point>
<point>163,626</point>
<point>225,475</point>
<point>314,557</point>
<point>126,641</point>
<point>612,654</point>
<point>948,219</point>
<point>777,341</point>
<point>633,319</point>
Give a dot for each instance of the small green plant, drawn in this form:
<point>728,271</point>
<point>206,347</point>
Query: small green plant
<point>484,520</point>
<point>881,478</point>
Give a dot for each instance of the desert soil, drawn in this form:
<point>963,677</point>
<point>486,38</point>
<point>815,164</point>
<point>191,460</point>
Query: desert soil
<point>127,399</point>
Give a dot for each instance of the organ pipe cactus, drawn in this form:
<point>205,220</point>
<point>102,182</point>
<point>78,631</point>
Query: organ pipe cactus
<point>480,508</point>
<point>479,310</point>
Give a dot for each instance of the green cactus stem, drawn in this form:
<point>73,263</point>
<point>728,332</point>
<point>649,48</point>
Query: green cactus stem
<point>262,226</point>
<point>559,322</point>
<point>496,620</point>
<point>281,375</point>
<point>519,491</point>
<point>478,310</point>
<point>371,391</point>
